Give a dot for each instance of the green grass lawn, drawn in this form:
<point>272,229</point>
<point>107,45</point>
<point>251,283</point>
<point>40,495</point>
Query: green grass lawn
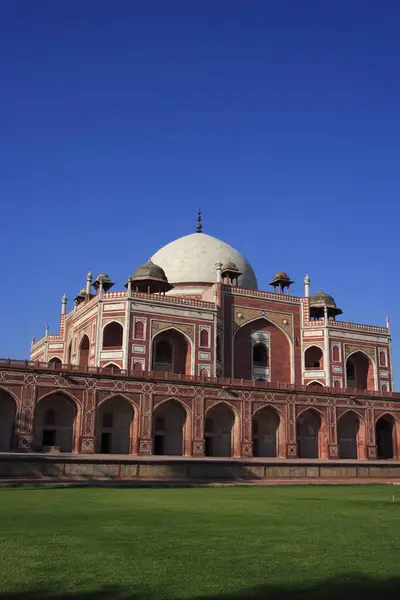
<point>227,543</point>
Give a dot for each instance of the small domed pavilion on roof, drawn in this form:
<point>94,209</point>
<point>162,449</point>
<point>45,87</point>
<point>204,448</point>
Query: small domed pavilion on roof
<point>149,278</point>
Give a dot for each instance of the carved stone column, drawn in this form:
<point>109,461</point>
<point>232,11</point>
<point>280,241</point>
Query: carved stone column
<point>198,427</point>
<point>371,439</point>
<point>247,436</point>
<point>332,429</point>
<point>146,424</point>
<point>88,439</point>
<point>291,451</point>
<point>23,434</point>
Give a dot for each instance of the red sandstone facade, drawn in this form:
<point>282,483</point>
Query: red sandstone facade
<point>204,369</point>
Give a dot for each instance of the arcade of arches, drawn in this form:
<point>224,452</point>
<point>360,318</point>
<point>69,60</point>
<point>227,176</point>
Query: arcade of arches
<point>57,424</point>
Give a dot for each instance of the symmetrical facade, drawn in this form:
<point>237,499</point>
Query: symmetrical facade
<point>192,359</point>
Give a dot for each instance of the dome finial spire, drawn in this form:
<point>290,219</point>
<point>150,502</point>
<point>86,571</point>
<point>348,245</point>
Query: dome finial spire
<point>199,227</point>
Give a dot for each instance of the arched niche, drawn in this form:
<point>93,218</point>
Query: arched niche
<point>113,334</point>
<point>351,436</point>
<point>84,346</point>
<point>312,435</point>
<point>55,362</point>
<point>55,423</point>
<point>279,354</point>
<point>360,371</point>
<point>116,426</point>
<point>221,431</point>
<point>172,352</point>
<point>386,430</point>
<point>314,358</point>
<point>170,424</point>
<point>8,411</point>
<point>268,432</point>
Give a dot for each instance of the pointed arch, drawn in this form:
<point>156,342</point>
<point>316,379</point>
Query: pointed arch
<point>171,428</point>
<point>312,434</point>
<point>134,404</point>
<point>313,357</point>
<point>183,358</point>
<point>361,371</point>
<point>222,430</point>
<point>8,415</point>
<point>204,338</point>
<point>351,434</point>
<point>69,353</point>
<point>83,352</point>
<point>336,353</point>
<point>56,361</point>
<point>261,317</point>
<point>117,425</point>
<point>386,432</point>
<point>112,335</point>
<point>111,367</point>
<point>268,431</point>
<point>13,396</point>
<point>64,432</point>
<point>280,344</point>
<point>138,330</point>
<point>315,383</point>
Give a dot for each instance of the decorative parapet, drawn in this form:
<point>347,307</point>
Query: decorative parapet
<point>171,299</point>
<point>358,327</point>
<point>259,294</point>
<point>345,325</point>
<point>108,295</point>
<point>224,382</point>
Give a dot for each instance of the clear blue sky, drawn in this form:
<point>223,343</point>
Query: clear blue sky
<point>118,119</point>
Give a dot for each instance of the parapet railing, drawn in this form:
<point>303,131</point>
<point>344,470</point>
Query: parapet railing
<point>172,299</point>
<point>65,370</point>
<point>346,325</point>
<point>261,294</point>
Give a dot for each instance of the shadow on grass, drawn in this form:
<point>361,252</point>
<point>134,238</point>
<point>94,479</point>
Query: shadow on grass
<point>339,588</point>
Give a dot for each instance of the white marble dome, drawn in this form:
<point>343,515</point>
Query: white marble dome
<point>192,258</point>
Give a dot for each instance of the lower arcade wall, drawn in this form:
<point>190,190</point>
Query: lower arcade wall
<point>84,468</point>
<point>192,420</point>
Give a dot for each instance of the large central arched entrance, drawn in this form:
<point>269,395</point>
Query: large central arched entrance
<point>171,352</point>
<point>312,439</point>
<point>266,432</point>
<point>169,422</point>
<point>8,410</point>
<point>360,372</point>
<point>219,431</point>
<point>115,426</point>
<point>254,358</point>
<point>55,421</point>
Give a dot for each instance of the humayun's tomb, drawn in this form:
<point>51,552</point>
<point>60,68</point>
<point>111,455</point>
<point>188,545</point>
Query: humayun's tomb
<point>190,359</point>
